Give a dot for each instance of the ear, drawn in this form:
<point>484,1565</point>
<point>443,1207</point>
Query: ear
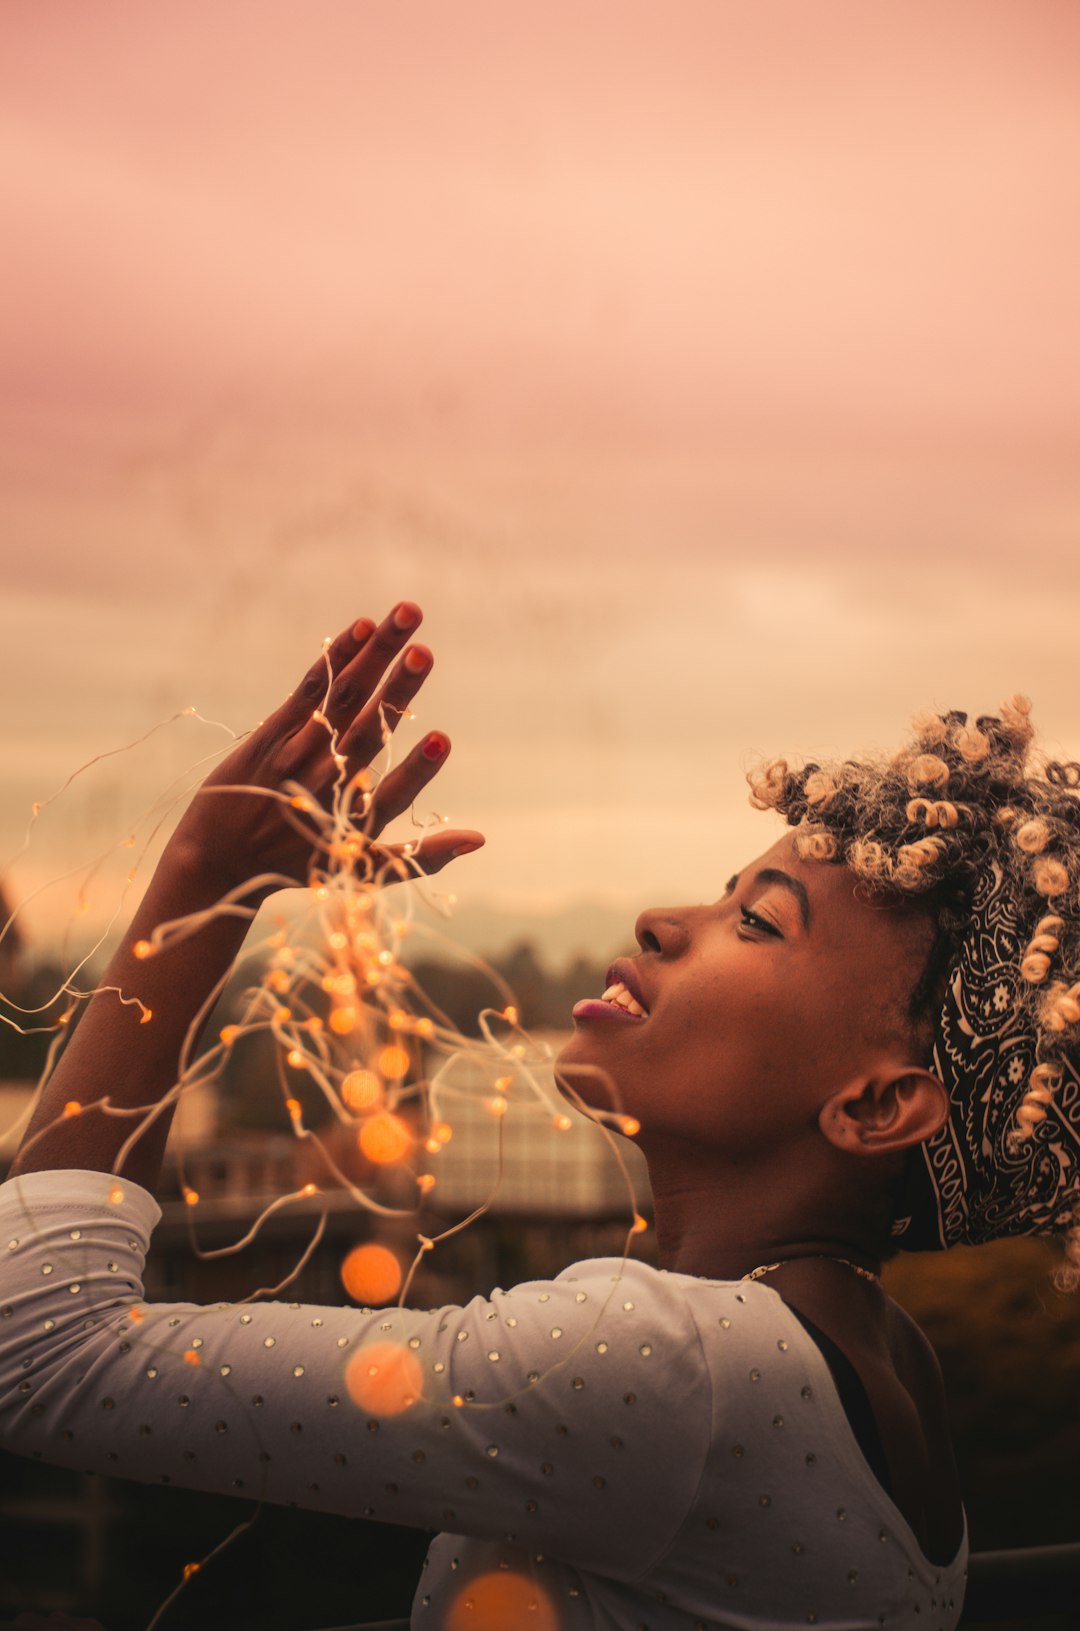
<point>897,1107</point>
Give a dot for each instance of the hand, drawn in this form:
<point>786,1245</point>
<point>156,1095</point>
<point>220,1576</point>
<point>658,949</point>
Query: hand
<point>235,835</point>
<point>224,839</point>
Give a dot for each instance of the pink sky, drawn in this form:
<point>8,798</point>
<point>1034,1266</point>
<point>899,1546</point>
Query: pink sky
<point>709,371</point>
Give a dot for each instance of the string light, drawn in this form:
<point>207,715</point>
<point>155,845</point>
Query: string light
<point>393,1062</point>
<point>362,1090</point>
<point>343,957</point>
<point>385,1139</point>
<point>371,1274</point>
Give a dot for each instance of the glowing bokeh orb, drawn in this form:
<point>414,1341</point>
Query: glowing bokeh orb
<point>502,1602</point>
<point>362,1090</point>
<point>393,1061</point>
<point>342,1021</point>
<point>371,1274</point>
<point>384,1139</point>
<point>384,1378</point>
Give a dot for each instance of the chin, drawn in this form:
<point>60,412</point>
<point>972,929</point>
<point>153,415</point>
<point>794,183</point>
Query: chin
<point>576,1074</point>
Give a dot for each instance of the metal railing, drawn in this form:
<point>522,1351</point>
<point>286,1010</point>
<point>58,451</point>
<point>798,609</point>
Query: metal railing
<point>1029,1583</point>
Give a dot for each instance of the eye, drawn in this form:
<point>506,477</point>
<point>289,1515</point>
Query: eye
<point>753,921</point>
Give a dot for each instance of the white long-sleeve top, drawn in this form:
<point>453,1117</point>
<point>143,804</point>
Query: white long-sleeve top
<point>632,1448</point>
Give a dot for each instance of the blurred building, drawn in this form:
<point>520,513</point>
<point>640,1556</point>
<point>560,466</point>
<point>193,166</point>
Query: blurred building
<point>541,1158</point>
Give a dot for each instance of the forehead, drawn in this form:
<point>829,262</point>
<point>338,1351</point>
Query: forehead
<point>845,910</point>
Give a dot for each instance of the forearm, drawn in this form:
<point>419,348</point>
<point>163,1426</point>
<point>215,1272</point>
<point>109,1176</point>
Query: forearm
<point>116,1054</point>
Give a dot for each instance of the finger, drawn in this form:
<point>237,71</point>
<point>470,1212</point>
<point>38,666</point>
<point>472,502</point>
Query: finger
<point>400,786</point>
<point>366,734</point>
<point>356,681</point>
<point>434,852</point>
<point>297,708</point>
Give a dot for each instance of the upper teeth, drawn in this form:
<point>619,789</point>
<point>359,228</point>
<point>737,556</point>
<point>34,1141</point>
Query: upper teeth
<point>618,993</point>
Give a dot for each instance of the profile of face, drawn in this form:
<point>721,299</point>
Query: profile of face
<point>784,998</point>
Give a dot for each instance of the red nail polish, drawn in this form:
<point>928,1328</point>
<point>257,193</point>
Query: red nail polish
<point>435,745</point>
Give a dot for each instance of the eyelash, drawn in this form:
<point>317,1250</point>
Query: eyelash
<point>753,921</point>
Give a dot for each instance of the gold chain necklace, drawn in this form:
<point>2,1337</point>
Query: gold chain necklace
<point>764,1268</point>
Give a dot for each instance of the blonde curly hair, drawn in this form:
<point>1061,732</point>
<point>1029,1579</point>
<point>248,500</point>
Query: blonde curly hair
<point>927,823</point>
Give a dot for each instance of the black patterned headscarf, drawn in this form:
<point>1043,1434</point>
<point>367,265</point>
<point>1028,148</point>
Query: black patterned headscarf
<point>976,1181</point>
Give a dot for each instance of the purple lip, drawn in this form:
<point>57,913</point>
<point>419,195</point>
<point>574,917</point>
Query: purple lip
<point>594,1008</point>
<point>623,972</point>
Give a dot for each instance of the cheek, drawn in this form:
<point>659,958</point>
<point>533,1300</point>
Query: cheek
<point>768,1023</point>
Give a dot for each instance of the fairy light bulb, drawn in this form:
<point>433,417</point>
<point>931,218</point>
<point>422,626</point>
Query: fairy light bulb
<point>361,1090</point>
<point>491,1602</point>
<point>295,1058</point>
<point>393,1062</point>
<point>384,1378</point>
<point>142,949</point>
<point>371,1274</point>
<point>384,1139</point>
<point>343,1021</point>
<point>191,1197</point>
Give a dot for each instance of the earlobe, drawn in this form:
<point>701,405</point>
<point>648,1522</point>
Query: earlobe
<point>892,1110</point>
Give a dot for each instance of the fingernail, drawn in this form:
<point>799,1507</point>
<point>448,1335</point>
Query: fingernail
<point>362,628</point>
<point>406,615</point>
<point>416,660</point>
<point>435,745</point>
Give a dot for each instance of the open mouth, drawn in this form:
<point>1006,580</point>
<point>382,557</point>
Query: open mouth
<point>621,996</point>
<point>617,1004</point>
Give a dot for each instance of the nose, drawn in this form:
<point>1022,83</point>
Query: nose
<point>662,930</point>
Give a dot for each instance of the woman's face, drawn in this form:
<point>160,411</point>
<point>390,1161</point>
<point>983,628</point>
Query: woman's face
<point>780,992</point>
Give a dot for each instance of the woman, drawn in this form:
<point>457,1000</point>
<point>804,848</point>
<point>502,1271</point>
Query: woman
<point>862,1045</point>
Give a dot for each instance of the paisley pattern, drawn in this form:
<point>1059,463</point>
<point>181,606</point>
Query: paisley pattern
<point>971,1185</point>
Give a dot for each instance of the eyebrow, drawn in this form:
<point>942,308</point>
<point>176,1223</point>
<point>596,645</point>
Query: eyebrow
<point>773,874</point>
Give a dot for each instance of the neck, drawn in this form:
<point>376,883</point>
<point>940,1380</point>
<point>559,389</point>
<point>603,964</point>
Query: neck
<point>721,1220</point>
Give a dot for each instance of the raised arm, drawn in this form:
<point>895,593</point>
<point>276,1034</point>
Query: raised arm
<point>223,840</point>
